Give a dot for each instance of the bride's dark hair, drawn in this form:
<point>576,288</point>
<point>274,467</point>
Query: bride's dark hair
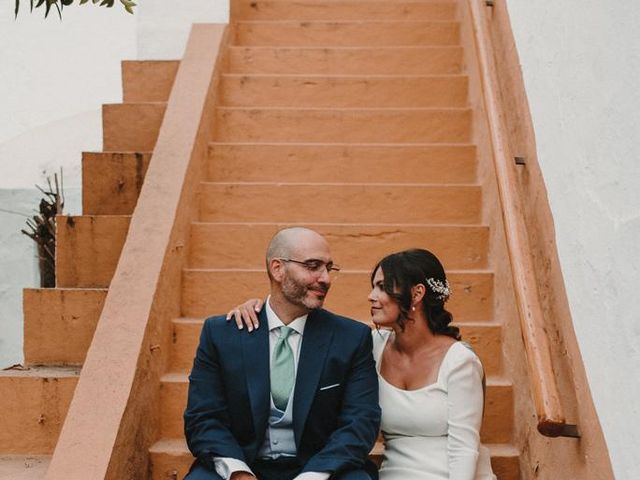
<point>406,269</point>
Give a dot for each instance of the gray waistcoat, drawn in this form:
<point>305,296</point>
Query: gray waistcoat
<point>279,440</point>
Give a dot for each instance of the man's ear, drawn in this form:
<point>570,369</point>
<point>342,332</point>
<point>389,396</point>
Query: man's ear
<point>276,268</point>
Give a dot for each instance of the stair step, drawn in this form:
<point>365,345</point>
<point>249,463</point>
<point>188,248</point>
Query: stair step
<point>347,34</point>
<point>374,125</point>
<point>343,10</point>
<point>111,181</point>
<point>497,423</point>
<point>148,80</point>
<point>344,91</point>
<point>88,248</point>
<point>496,428</point>
<point>243,245</point>
<point>346,60</point>
<point>486,340</point>
<point>290,162</point>
<point>38,399</point>
<point>505,461</point>
<point>59,324</point>
<point>340,203</point>
<point>185,335</point>
<point>215,291</point>
<point>171,459</point>
<point>484,337</point>
<point>23,467</point>
<point>131,127</point>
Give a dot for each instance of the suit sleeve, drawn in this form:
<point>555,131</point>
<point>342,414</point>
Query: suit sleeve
<point>206,418</point>
<point>465,405</point>
<point>358,421</point>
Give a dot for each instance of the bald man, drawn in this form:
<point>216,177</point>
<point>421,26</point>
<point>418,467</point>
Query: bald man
<point>297,400</point>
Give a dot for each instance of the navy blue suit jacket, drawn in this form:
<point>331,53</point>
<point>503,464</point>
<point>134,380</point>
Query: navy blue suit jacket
<point>229,393</point>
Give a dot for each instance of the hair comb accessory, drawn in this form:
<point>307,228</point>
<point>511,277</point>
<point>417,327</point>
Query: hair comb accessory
<point>439,287</point>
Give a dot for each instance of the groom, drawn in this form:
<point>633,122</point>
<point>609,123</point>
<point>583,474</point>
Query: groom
<point>297,400</point>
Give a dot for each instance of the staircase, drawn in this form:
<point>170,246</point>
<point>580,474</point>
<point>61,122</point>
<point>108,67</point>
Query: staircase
<point>351,117</point>
<point>59,322</point>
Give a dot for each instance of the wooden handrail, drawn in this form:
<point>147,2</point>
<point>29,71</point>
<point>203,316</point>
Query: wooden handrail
<point>551,419</point>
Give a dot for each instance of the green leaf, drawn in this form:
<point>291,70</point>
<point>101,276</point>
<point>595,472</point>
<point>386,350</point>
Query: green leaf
<point>46,12</point>
<point>128,5</point>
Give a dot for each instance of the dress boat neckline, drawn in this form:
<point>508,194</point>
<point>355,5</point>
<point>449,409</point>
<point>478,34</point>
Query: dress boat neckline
<point>419,389</point>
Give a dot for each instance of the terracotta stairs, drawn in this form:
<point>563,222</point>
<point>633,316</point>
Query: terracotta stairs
<point>59,322</point>
<point>350,117</point>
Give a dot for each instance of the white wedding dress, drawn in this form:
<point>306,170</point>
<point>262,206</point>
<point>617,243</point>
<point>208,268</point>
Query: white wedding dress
<point>432,433</point>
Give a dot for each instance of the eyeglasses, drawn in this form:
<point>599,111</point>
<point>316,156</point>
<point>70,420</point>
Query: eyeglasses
<point>314,265</point>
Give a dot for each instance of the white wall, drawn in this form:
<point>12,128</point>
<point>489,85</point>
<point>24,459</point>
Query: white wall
<point>163,25</point>
<point>54,77</point>
<point>581,65</point>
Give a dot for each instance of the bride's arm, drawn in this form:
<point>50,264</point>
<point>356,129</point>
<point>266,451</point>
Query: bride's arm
<point>246,314</point>
<point>465,406</point>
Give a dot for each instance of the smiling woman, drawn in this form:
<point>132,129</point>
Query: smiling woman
<point>60,4</point>
<point>404,275</point>
<point>431,385</point>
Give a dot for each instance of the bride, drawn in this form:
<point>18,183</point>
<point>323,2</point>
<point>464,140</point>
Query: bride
<point>431,384</point>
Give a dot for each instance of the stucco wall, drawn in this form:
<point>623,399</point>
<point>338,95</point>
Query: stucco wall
<point>581,65</point>
<point>55,76</point>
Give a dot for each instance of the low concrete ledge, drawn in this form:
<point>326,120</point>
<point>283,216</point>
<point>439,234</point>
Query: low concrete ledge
<point>148,80</point>
<point>88,248</point>
<point>112,420</point>
<point>59,324</point>
<point>111,181</point>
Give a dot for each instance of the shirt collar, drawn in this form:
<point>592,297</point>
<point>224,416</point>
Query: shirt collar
<point>274,321</point>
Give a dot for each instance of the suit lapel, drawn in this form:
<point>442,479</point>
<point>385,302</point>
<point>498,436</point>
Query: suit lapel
<point>255,350</point>
<point>315,340</point>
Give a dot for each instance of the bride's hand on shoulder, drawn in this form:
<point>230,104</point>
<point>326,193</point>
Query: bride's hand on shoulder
<point>247,314</point>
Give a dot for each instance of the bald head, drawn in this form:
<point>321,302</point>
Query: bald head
<point>297,284</point>
<point>288,241</point>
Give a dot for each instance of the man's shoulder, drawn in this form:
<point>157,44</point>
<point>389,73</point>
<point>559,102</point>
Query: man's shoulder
<point>219,331</point>
<point>218,322</point>
<point>342,322</point>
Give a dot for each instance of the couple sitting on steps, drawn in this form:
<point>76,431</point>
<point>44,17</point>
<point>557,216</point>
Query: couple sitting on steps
<point>301,397</point>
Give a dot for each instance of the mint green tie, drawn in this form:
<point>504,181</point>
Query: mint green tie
<point>282,370</point>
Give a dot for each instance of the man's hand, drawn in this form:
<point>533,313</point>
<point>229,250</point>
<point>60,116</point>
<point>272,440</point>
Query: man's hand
<point>242,476</point>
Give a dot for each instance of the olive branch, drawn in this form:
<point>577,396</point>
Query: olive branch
<point>60,4</point>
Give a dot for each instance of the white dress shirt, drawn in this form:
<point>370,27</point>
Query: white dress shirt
<point>226,466</point>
